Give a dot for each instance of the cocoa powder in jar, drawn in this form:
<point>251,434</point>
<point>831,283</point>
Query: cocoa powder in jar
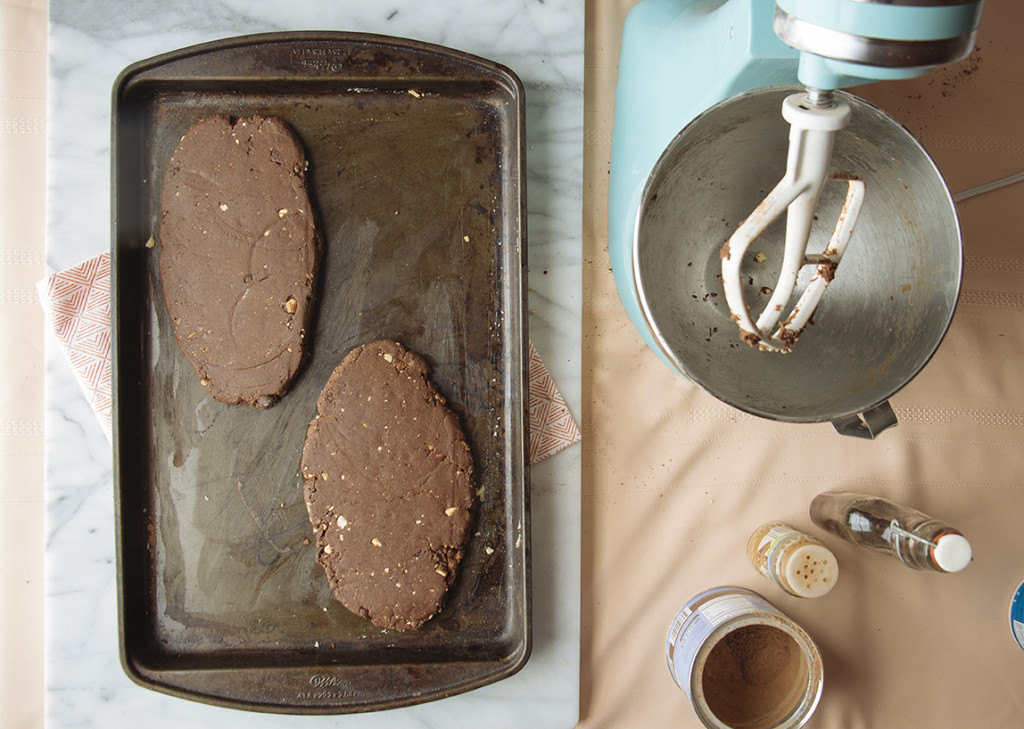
<point>753,673</point>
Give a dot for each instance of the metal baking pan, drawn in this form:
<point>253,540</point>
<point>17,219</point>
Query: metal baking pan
<point>417,170</point>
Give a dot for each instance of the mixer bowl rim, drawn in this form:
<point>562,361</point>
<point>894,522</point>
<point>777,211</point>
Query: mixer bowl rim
<point>659,338</point>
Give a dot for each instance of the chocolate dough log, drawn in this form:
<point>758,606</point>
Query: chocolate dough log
<point>239,247</point>
<point>388,486</point>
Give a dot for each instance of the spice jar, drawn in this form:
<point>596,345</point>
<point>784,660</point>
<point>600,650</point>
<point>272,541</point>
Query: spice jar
<point>798,563</point>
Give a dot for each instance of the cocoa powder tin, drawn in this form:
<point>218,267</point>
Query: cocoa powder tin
<point>742,663</point>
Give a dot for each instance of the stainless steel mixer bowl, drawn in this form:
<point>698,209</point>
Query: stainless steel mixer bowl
<point>883,315</point>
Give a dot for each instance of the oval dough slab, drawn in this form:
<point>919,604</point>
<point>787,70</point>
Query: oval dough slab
<point>388,486</point>
<point>239,247</point>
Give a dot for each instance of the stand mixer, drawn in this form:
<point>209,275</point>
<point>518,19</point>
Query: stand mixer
<point>742,177</point>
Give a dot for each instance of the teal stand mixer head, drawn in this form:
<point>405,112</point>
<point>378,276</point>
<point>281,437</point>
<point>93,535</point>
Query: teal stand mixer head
<point>682,61</point>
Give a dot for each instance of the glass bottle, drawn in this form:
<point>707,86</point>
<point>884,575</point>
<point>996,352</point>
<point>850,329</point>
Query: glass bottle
<point>916,539</point>
<point>798,563</point>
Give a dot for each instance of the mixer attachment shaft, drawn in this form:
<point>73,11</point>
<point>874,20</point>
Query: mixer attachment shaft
<point>814,118</point>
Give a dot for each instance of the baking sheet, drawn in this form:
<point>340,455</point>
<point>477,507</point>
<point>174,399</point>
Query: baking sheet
<point>416,168</point>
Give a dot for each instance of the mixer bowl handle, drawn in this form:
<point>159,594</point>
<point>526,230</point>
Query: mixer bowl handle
<point>868,424</point>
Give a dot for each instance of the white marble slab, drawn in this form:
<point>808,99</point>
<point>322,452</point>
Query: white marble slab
<point>90,42</point>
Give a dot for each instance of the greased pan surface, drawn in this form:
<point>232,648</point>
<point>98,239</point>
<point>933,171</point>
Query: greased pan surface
<point>416,170</point>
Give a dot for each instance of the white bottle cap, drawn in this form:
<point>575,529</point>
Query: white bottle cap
<point>952,552</point>
<point>810,570</point>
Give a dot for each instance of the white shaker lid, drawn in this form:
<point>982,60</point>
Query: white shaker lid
<point>952,552</point>
<point>811,570</point>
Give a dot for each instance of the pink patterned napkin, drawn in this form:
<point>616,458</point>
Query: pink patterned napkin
<point>77,305</point>
<point>552,427</point>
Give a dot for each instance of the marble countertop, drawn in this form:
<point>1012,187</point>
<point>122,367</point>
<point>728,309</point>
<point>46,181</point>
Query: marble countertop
<point>90,42</point>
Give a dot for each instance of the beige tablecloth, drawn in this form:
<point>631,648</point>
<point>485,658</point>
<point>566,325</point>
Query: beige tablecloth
<point>22,149</point>
<point>674,482</point>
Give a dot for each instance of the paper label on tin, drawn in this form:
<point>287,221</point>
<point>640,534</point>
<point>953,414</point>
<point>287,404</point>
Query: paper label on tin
<point>690,630</point>
<point>723,608</point>
<point>692,626</point>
